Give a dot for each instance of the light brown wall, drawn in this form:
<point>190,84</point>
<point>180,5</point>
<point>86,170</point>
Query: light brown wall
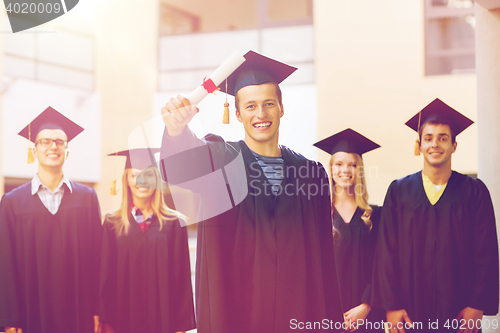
<point>126,78</point>
<point>488,83</point>
<point>288,9</point>
<point>3,17</point>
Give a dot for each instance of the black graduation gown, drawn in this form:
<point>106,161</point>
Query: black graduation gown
<point>49,263</point>
<point>146,279</point>
<point>354,246</point>
<point>434,261</point>
<point>267,264</point>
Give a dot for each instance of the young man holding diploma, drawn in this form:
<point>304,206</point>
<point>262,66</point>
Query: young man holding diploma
<point>266,263</point>
<point>50,233</point>
<point>436,263</point>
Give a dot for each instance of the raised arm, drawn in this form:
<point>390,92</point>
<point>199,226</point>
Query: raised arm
<point>200,165</point>
<point>178,147</point>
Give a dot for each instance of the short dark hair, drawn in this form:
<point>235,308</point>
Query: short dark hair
<point>435,122</point>
<point>36,136</point>
<point>278,94</point>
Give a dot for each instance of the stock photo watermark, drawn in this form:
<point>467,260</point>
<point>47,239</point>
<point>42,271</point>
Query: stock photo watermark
<point>27,14</point>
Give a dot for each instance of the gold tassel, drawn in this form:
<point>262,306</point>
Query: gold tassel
<point>31,158</point>
<point>417,142</point>
<point>112,191</point>
<point>225,118</point>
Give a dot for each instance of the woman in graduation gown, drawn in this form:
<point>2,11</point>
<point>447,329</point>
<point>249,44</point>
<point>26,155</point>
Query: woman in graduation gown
<point>355,225</point>
<point>145,270</point>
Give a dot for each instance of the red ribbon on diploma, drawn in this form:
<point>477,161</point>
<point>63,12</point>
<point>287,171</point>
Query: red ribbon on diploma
<point>209,85</point>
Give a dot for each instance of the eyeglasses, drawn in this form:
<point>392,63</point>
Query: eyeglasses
<point>48,143</point>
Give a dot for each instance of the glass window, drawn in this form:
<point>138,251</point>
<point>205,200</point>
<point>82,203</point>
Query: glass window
<point>286,12</point>
<point>177,21</point>
<point>453,3</point>
<point>449,37</point>
<point>52,53</point>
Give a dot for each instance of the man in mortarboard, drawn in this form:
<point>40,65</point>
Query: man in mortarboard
<point>436,262</point>
<point>265,264</point>
<point>50,233</point>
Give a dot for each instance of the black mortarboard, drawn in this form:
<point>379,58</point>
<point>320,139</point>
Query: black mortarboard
<point>257,69</point>
<point>138,158</point>
<point>50,119</point>
<point>439,111</point>
<point>348,141</point>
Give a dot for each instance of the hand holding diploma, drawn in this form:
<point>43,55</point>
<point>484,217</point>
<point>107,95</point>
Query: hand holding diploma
<point>179,111</point>
<point>211,83</point>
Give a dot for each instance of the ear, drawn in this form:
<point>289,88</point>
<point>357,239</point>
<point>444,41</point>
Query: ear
<point>67,153</point>
<point>282,110</point>
<point>238,116</point>
<point>454,147</point>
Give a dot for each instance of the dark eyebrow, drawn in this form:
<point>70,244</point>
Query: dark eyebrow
<point>439,134</point>
<point>265,101</point>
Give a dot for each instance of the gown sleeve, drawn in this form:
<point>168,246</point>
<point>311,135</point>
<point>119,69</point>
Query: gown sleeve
<point>97,233</point>
<point>178,156</point>
<point>10,314</point>
<point>181,292</point>
<point>107,285</point>
<point>330,279</point>
<point>485,289</point>
<point>185,159</point>
<point>385,282</point>
<point>370,251</point>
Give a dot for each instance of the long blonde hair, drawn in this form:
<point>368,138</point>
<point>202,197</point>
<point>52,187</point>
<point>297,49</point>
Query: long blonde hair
<point>161,210</point>
<point>360,192</point>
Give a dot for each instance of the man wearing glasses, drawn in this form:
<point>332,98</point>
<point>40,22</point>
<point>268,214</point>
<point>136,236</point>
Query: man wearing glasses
<point>50,232</point>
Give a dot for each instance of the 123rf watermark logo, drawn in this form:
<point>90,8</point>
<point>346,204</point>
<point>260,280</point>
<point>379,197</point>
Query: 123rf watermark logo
<point>26,14</point>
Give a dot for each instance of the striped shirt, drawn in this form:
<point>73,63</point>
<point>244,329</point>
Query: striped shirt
<point>139,218</point>
<point>274,170</point>
<point>51,200</point>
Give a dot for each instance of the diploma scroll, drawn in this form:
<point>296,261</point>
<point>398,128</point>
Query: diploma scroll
<point>217,77</point>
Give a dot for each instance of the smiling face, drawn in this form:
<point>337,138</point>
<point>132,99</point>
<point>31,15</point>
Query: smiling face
<point>52,156</point>
<point>260,111</point>
<point>436,145</point>
<point>146,187</point>
<point>344,169</point>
